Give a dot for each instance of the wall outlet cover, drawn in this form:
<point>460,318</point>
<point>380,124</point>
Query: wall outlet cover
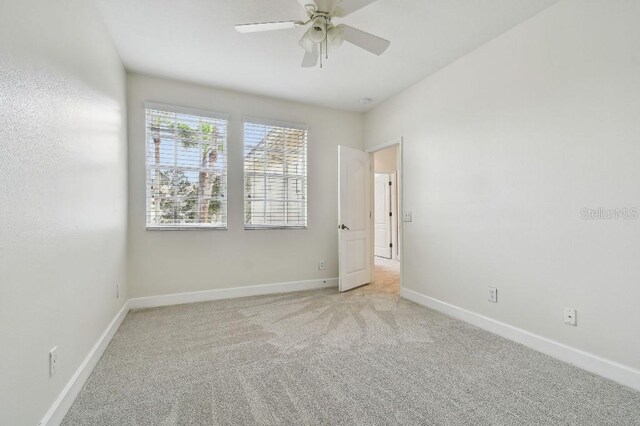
<point>53,361</point>
<point>321,265</point>
<point>570,316</point>
<point>493,295</point>
<point>407,217</point>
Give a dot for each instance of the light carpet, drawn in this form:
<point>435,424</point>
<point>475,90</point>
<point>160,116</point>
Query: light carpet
<point>320,357</point>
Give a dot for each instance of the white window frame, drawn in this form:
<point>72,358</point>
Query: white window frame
<point>194,112</point>
<point>289,125</point>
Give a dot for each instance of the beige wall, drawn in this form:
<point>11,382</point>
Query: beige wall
<point>384,161</point>
<point>502,149</point>
<point>165,262</point>
<point>63,199</point>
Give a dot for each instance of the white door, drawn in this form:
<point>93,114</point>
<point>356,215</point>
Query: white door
<point>382,215</point>
<point>354,215</point>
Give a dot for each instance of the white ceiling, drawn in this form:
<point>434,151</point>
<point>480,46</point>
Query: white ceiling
<point>194,40</point>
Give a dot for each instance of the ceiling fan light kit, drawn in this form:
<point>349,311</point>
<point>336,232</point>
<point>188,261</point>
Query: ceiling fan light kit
<point>323,34</point>
<point>335,36</point>
<point>318,31</point>
<point>306,43</point>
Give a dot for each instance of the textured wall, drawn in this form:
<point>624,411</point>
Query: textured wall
<point>164,262</point>
<point>502,149</point>
<point>63,198</point>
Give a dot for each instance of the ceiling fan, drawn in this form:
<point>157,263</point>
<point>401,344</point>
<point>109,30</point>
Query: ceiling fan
<point>323,33</point>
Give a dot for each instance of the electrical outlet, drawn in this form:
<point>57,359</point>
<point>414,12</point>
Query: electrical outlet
<point>321,266</point>
<point>53,361</point>
<point>493,295</point>
<point>570,317</point>
<point>407,217</point>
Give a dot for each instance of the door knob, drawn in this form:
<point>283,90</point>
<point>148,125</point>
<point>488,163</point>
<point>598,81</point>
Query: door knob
<point>343,226</point>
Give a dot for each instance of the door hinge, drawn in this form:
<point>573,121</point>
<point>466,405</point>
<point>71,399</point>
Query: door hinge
<point>390,245</point>
<point>390,214</point>
<point>389,183</point>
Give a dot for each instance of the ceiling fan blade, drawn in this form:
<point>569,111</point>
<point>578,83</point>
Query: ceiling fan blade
<point>319,5</point>
<point>267,26</point>
<point>347,7</point>
<point>310,59</point>
<point>305,3</point>
<point>366,41</point>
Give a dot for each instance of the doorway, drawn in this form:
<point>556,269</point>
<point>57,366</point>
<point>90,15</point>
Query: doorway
<point>361,259</point>
<point>386,192</point>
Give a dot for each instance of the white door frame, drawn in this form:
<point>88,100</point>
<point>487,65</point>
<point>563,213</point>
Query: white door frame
<point>399,162</point>
<point>386,217</point>
<point>395,223</point>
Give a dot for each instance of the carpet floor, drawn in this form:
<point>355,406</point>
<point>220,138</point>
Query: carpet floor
<point>319,357</point>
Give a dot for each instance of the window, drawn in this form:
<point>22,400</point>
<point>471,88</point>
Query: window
<point>275,175</point>
<point>186,169</point>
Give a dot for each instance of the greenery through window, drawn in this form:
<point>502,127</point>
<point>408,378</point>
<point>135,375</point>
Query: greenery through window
<point>186,170</point>
<point>275,176</point>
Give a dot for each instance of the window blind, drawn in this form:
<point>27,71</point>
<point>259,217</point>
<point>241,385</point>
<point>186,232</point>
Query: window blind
<point>186,170</point>
<point>275,176</point>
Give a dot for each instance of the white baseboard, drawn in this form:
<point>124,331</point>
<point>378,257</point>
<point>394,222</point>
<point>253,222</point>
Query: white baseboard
<point>603,367</point>
<point>230,293</point>
<point>595,364</point>
<point>61,405</point>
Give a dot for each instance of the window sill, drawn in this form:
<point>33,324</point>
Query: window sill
<point>279,228</point>
<point>186,228</point>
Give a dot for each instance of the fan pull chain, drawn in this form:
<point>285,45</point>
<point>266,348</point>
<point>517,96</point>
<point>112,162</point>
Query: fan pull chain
<point>326,41</point>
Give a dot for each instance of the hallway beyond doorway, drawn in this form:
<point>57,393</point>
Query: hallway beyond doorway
<point>386,277</point>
